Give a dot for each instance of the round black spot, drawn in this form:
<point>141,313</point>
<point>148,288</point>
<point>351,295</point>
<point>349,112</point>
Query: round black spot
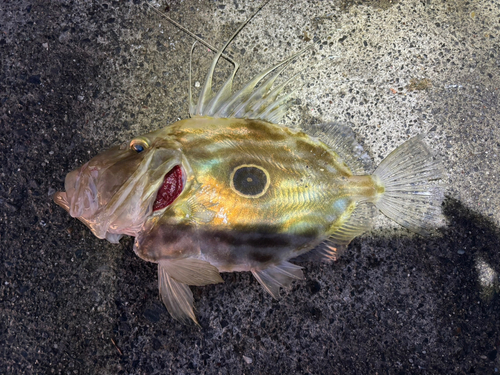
<point>250,180</point>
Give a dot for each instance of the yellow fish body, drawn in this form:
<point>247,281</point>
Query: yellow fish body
<point>230,190</point>
<point>257,194</point>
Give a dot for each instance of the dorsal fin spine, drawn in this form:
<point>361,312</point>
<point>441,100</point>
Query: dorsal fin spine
<point>206,92</point>
<point>227,109</point>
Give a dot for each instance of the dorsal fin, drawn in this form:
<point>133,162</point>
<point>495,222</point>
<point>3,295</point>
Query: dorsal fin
<point>193,35</point>
<point>250,102</point>
<point>342,140</point>
<point>204,101</point>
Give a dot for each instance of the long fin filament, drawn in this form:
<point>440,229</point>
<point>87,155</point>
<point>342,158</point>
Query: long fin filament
<point>206,92</point>
<point>191,103</point>
<point>194,36</point>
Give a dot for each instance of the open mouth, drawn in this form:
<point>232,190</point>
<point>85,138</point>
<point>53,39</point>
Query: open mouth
<point>170,189</point>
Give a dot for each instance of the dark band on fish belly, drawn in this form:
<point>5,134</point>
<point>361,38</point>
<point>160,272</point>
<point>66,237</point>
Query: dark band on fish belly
<point>259,244</point>
<point>240,248</point>
<point>260,257</point>
<point>166,241</point>
<point>253,239</point>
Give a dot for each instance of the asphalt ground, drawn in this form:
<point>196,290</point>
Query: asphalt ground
<point>78,76</point>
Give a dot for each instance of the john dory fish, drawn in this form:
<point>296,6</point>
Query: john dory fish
<point>232,190</point>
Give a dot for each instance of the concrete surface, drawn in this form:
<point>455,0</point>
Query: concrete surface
<point>78,76</point>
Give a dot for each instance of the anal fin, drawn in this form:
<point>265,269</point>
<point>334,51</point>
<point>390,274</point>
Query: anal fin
<point>274,277</point>
<point>174,278</point>
<point>333,247</point>
<point>359,221</point>
<point>327,251</point>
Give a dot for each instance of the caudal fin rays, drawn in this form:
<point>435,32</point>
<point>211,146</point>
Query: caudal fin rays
<point>412,195</point>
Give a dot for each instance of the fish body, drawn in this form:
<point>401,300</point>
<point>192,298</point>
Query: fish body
<point>231,190</point>
<point>258,194</point>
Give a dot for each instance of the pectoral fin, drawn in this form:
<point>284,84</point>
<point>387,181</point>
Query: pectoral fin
<point>175,275</point>
<point>274,277</point>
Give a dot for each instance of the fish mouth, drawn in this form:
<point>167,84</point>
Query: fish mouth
<point>170,189</point>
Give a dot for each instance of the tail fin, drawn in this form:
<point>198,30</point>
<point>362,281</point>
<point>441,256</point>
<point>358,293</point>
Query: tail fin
<point>412,196</point>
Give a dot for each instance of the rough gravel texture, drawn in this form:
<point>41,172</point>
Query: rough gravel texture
<point>79,76</point>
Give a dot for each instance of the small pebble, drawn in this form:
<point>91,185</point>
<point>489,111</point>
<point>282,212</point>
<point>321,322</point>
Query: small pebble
<point>247,359</point>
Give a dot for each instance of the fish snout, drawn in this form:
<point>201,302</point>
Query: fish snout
<point>81,197</point>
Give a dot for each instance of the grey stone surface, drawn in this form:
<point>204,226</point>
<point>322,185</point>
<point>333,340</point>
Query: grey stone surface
<point>78,76</point>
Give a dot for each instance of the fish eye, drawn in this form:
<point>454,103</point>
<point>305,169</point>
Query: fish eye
<point>138,148</point>
<point>139,145</point>
<point>249,180</point>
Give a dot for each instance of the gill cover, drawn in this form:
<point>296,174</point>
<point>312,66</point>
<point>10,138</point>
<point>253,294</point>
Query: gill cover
<point>114,192</point>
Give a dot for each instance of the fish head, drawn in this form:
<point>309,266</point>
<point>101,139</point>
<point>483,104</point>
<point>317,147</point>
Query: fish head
<point>116,191</point>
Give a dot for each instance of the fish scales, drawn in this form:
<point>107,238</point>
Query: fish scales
<point>231,190</point>
<point>287,194</point>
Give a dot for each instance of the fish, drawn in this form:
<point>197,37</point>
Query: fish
<point>231,190</point>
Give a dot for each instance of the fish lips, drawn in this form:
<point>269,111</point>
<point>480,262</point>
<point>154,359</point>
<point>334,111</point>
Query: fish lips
<point>94,184</point>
